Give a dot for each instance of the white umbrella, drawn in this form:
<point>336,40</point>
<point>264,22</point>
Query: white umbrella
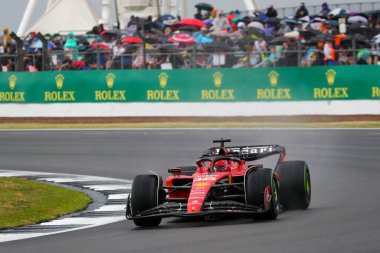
<point>358,19</point>
<point>338,12</point>
<point>316,23</point>
<point>256,25</point>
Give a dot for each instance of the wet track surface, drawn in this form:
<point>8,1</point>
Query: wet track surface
<point>343,216</point>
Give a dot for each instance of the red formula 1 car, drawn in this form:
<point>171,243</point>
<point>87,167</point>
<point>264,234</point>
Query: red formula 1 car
<point>223,183</point>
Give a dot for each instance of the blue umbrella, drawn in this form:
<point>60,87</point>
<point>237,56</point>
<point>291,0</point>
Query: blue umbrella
<point>167,17</point>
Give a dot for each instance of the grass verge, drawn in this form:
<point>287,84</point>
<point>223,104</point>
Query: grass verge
<point>25,202</point>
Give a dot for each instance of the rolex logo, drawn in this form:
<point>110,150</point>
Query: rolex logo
<point>218,79</point>
<point>12,81</point>
<point>163,77</point>
<point>110,80</point>
<point>273,78</point>
<point>330,74</point>
<point>59,81</point>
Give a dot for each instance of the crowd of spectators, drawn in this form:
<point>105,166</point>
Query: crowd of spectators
<point>211,39</point>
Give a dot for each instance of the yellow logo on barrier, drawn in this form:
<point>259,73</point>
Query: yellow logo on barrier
<point>59,81</point>
<point>331,93</point>
<point>273,78</point>
<point>12,81</point>
<point>274,93</point>
<point>330,75</point>
<point>163,95</point>
<point>110,78</point>
<point>218,79</point>
<point>11,96</point>
<point>163,78</point>
<point>218,94</point>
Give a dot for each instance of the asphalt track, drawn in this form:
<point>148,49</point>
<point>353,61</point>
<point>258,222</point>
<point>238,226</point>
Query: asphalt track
<point>343,216</point>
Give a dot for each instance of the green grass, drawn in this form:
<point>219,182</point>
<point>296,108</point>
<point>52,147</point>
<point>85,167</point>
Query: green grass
<point>25,202</point>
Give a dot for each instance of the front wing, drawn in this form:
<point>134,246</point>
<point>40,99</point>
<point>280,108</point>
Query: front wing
<point>209,208</point>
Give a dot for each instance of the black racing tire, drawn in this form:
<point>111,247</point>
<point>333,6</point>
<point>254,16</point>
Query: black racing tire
<point>144,196</point>
<point>188,170</point>
<point>257,181</point>
<point>295,187</point>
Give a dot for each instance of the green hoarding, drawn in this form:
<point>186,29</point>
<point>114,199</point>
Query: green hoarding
<point>195,85</point>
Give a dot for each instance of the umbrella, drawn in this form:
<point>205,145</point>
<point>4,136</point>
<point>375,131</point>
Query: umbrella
<point>316,23</point>
<point>132,40</point>
<point>322,37</point>
<point>376,39</point>
<point>36,44</point>
<point>182,38</point>
<point>208,22</point>
<point>82,40</point>
<point>308,34</point>
<point>360,29</point>
<point>331,22</point>
<point>167,17</point>
<point>358,19</point>
<point>188,29</point>
<point>255,31</point>
<point>338,13</point>
<point>272,21</point>
<point>256,25</point>
<point>217,46</point>
<point>221,34</point>
<point>190,22</point>
<point>237,19</point>
<point>100,45</point>
<point>280,40</point>
<point>115,33</point>
<point>204,6</point>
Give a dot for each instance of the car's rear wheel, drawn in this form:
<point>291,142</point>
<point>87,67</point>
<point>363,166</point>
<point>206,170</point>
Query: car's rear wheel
<point>262,190</point>
<point>144,196</point>
<point>295,187</point>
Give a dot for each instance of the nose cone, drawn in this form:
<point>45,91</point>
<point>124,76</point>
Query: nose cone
<point>197,197</point>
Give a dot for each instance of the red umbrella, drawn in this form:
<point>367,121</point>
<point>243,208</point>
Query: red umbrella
<point>182,38</point>
<point>100,45</point>
<point>190,22</point>
<point>132,40</point>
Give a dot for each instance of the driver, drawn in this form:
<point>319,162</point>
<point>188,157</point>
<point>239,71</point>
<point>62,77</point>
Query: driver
<point>221,166</point>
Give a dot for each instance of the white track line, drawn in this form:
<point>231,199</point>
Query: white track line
<point>118,196</point>
<point>82,222</point>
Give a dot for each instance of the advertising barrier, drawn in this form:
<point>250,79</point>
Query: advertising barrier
<point>195,85</point>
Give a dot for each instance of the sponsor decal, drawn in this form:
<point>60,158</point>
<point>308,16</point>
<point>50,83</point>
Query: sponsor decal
<point>218,94</point>
<point>330,92</point>
<point>274,93</point>
<point>201,184</point>
<point>59,96</point>
<point>12,96</point>
<point>110,94</point>
<point>163,95</point>
<point>376,92</point>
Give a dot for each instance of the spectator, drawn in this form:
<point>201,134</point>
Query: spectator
<point>271,12</point>
<point>71,46</point>
<point>115,62</point>
<point>325,10</point>
<point>198,15</point>
<point>301,11</point>
<point>7,39</point>
<point>220,23</point>
<point>329,53</point>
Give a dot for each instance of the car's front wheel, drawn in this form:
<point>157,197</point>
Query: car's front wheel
<point>262,190</point>
<point>144,196</point>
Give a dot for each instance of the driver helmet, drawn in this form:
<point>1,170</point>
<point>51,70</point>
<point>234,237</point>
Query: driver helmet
<point>221,166</point>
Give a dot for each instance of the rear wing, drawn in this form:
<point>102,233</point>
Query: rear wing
<point>248,153</point>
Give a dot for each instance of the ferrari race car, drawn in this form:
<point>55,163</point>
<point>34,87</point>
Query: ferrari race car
<point>223,182</point>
